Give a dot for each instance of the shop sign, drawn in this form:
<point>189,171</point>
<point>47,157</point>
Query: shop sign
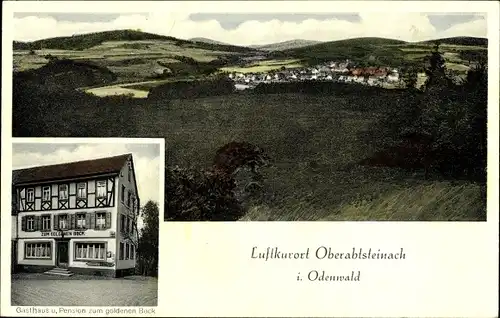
<point>69,233</point>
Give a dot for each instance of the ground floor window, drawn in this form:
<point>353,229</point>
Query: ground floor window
<point>122,250</point>
<point>38,250</point>
<point>90,251</point>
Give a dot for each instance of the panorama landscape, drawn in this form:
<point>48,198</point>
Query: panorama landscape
<point>361,128</point>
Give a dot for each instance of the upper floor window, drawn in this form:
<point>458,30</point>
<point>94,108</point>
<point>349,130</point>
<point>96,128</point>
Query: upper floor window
<point>129,198</point>
<point>30,195</point>
<point>63,221</point>
<point>63,192</point>
<point>123,194</point>
<point>46,193</point>
<point>122,223</point>
<point>82,190</point>
<point>129,171</point>
<point>80,221</point>
<point>131,226</point>
<point>46,222</point>
<point>134,205</point>
<point>101,189</point>
<point>100,220</point>
<point>30,223</point>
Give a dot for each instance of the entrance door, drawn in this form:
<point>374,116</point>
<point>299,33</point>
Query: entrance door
<point>62,254</point>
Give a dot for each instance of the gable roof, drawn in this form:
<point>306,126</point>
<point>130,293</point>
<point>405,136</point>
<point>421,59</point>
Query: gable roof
<point>109,165</point>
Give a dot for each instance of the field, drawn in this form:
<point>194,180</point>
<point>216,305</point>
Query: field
<point>131,61</point>
<point>314,143</point>
<point>264,66</point>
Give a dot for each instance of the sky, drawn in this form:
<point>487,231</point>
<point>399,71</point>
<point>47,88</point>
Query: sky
<point>146,160</point>
<point>257,28</point>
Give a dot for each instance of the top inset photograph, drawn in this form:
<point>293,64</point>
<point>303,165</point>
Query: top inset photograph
<point>273,116</point>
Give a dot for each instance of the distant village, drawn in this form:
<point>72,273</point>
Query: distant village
<point>329,71</point>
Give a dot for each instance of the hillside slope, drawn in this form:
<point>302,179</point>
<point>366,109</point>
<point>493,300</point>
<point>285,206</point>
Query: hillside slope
<point>460,40</point>
<point>377,50</point>
<point>89,40</point>
<point>207,40</point>
<point>286,45</point>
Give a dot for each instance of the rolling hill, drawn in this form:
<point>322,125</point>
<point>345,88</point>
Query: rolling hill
<point>89,40</point>
<point>460,40</point>
<point>376,50</point>
<point>286,45</point>
<point>207,40</point>
<point>379,51</point>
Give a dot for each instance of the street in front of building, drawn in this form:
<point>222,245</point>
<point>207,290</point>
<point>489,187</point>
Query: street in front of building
<point>33,289</point>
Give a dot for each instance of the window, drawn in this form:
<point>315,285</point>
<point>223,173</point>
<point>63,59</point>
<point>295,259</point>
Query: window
<point>133,205</point>
<point>46,222</point>
<point>90,251</point>
<point>82,191</point>
<point>123,194</point>
<point>80,220</point>
<point>63,221</point>
<point>132,251</point>
<point>129,197</point>
<point>38,250</point>
<point>30,223</point>
<point>129,171</point>
<point>101,189</point>
<point>30,195</point>
<point>122,223</point>
<point>46,194</point>
<point>63,192</point>
<point>127,251</point>
<point>122,250</point>
<point>100,220</point>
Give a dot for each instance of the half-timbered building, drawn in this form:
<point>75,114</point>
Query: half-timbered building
<point>77,217</point>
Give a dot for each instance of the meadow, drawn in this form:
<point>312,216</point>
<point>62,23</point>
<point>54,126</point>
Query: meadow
<point>264,66</point>
<point>314,141</point>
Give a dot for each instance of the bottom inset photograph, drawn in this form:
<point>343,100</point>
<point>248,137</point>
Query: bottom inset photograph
<point>85,222</point>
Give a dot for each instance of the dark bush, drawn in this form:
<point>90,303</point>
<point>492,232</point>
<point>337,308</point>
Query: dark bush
<point>453,117</point>
<point>214,194</point>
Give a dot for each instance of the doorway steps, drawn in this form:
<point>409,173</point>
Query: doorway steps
<point>59,272</point>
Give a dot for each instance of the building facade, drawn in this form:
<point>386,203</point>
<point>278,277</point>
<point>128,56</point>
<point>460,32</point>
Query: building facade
<point>79,216</point>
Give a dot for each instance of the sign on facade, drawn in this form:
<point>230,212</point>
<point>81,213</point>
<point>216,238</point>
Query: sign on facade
<point>70,233</point>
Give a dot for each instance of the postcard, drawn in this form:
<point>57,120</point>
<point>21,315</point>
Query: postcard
<point>250,158</point>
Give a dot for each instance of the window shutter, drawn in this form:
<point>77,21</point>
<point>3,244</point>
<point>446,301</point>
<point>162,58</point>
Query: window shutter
<point>87,220</point>
<point>56,222</point>
<point>23,223</point>
<point>73,221</point>
<point>108,220</point>
<point>92,220</point>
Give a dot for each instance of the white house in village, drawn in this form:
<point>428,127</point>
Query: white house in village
<point>76,217</point>
<point>394,77</point>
